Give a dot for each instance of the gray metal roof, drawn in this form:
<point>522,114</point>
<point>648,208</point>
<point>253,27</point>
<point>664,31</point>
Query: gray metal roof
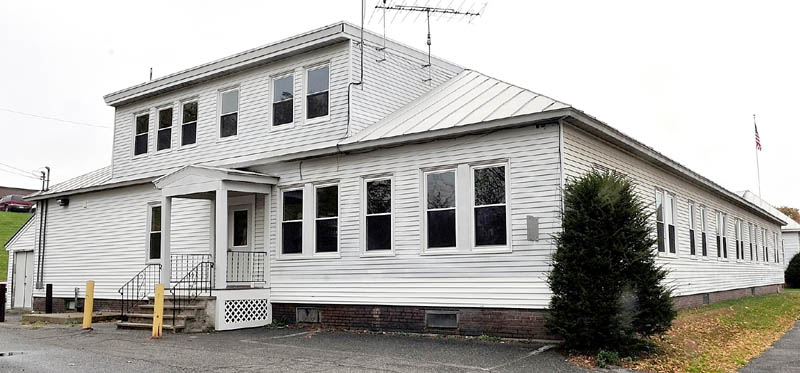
<point>468,98</point>
<point>92,179</point>
<point>791,225</point>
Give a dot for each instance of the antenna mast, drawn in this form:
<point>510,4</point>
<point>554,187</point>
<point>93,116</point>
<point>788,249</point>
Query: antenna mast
<point>453,13</point>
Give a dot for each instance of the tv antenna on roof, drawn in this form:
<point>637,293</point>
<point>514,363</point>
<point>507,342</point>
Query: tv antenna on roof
<point>459,13</point>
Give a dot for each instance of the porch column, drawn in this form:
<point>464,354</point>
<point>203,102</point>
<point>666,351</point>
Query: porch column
<point>166,222</point>
<point>221,237</point>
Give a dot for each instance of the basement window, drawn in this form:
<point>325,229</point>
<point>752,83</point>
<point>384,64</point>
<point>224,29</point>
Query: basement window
<point>142,127</point>
<point>164,136</point>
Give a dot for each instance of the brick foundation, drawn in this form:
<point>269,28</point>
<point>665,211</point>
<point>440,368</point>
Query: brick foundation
<point>696,300</point>
<point>60,304</point>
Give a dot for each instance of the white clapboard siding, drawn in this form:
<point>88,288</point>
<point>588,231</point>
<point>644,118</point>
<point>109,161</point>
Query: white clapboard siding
<point>389,83</point>
<point>255,133</point>
<point>791,244</point>
<point>515,279</point>
<point>102,235</point>
<point>24,240</point>
<point>688,275</point>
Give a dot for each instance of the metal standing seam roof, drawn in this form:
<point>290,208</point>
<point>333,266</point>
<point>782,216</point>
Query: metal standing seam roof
<point>791,225</point>
<point>95,178</point>
<point>468,98</point>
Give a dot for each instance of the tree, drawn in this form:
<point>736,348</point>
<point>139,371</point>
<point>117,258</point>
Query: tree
<point>607,288</point>
<point>791,212</point>
<point>792,274</point>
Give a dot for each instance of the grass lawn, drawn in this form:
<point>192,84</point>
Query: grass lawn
<point>9,224</point>
<point>721,337</point>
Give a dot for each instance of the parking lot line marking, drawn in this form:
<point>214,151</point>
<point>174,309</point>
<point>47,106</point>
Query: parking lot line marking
<point>289,335</point>
<point>532,353</point>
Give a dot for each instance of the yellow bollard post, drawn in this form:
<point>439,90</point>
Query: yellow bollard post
<point>88,305</point>
<point>158,311</point>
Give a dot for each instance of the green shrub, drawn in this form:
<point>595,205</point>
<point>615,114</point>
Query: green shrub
<point>792,274</point>
<point>606,359</point>
<point>607,288</point>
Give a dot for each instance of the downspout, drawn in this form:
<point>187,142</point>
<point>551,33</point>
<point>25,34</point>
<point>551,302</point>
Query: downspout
<point>361,77</point>
<point>43,205</point>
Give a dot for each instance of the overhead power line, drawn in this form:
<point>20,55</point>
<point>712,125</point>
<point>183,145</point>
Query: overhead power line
<point>55,119</point>
<point>17,171</point>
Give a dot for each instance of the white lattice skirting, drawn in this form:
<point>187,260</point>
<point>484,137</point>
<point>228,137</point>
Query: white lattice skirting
<point>237,309</point>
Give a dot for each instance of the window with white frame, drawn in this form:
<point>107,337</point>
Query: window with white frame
<point>775,247</point>
<point>239,226</point>
<point>292,222</point>
<point>154,232</point>
<point>764,244</point>
<point>317,91</point>
<point>756,231</point>
<point>750,238</point>
<point>229,112</point>
<point>737,228</point>
<point>189,123</point>
<point>440,208</point>
<point>692,227</point>
<point>164,135</point>
<point>665,221</point>
<point>704,232</point>
<point>489,191</point>
<point>142,128</point>
<point>378,215</point>
<point>283,100</point>
<point>326,223</point>
<point>722,230</point>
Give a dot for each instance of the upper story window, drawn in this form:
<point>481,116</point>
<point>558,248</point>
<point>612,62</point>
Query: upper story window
<point>283,100</point>
<point>440,209</point>
<point>142,124</point>
<point>490,205</point>
<point>327,219</point>
<point>292,224</point>
<point>229,112</point>
<point>154,232</point>
<point>378,217</point>
<point>665,220</point>
<point>692,227</point>
<point>164,135</point>
<point>317,98</point>
<point>189,123</point>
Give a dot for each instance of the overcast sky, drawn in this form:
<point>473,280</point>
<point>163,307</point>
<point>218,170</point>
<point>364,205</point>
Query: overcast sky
<point>684,77</point>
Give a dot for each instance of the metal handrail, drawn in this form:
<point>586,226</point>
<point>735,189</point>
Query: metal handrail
<point>198,281</point>
<point>132,291</point>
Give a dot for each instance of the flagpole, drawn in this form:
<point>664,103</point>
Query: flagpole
<point>758,168</point>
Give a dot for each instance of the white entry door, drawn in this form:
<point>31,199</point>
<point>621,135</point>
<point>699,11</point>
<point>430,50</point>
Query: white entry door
<point>23,279</point>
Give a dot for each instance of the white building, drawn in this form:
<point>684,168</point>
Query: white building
<point>281,185</point>
<point>790,232</point>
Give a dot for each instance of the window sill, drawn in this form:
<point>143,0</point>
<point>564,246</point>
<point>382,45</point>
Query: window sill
<point>186,147</point>
<point>282,127</point>
<point>222,140</point>
<point>378,254</point>
<point>317,120</point>
<point>474,251</point>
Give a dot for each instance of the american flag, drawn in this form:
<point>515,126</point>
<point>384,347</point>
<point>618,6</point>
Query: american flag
<point>758,139</point>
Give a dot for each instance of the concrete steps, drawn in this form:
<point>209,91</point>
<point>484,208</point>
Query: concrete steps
<point>192,316</point>
<point>146,326</point>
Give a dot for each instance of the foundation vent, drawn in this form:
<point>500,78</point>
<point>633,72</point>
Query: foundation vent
<point>309,315</point>
<point>441,319</point>
<point>706,299</point>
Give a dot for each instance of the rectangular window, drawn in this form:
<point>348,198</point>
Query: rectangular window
<point>154,233</point>
<point>292,224</point>
<point>317,98</point>
<point>755,240</point>
<point>440,209</point>
<point>378,219</point>
<point>283,100</point>
<point>750,238</point>
<point>722,230</point>
<point>764,244</point>
<point>327,219</point>
<point>665,221</point>
<point>189,123</point>
<point>737,228</point>
<point>775,247</point>
<point>703,233</point>
<point>692,227</point>
<point>229,112</point>
<point>140,138</point>
<point>164,136</point>
<point>489,185</point>
<point>240,223</point>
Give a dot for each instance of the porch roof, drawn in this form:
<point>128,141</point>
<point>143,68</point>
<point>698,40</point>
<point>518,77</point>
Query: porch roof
<point>194,179</point>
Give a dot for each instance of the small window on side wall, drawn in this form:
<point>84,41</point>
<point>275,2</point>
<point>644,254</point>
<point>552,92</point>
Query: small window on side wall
<point>378,218</point>
<point>154,233</point>
<point>440,209</point>
<point>229,113</point>
<point>317,98</point>
<point>490,206</point>
<point>283,100</point>
<point>164,136</point>
<point>189,123</point>
<point>292,224</point>
<point>142,127</point>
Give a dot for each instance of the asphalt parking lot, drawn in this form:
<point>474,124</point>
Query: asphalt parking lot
<point>58,348</point>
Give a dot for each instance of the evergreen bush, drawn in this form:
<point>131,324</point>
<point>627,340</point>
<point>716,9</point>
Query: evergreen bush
<point>607,288</point>
<point>792,274</point>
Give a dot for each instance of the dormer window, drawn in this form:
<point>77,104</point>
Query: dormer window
<point>317,98</point>
<point>283,100</point>
<point>142,123</point>
<point>164,135</point>
<point>229,112</point>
